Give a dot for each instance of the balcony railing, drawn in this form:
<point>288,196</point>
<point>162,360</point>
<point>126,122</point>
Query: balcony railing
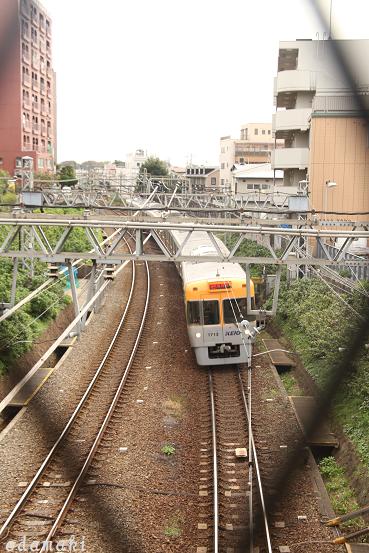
<point>291,119</point>
<point>290,158</point>
<point>294,81</point>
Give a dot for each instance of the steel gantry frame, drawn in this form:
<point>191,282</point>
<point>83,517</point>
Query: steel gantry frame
<point>124,195</point>
<point>309,229</point>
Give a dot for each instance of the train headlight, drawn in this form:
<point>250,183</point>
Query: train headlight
<point>198,334</point>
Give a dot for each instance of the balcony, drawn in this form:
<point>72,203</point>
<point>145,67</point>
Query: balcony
<point>26,126</point>
<point>26,103</point>
<point>35,85</point>
<point>49,72</point>
<point>35,127</point>
<point>25,8</point>
<point>290,120</point>
<point>48,52</point>
<point>49,132</point>
<point>290,158</point>
<point>42,26</point>
<point>35,62</point>
<point>43,130</point>
<point>42,88</point>
<point>26,80</point>
<point>25,57</point>
<point>49,92</point>
<point>43,46</point>
<point>25,33</point>
<point>44,110</point>
<point>295,81</point>
<point>36,107</point>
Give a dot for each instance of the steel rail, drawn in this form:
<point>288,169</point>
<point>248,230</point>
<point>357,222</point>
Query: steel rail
<point>215,467</point>
<point>30,488</point>
<point>254,457</point>
<point>64,510</point>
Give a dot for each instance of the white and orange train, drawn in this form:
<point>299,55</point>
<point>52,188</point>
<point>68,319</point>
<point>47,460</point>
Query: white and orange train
<point>215,299</point>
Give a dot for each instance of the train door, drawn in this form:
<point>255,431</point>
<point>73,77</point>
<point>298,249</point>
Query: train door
<point>203,320</point>
<point>212,329</point>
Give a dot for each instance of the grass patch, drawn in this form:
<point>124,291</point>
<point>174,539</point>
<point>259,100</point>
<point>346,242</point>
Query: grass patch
<point>168,450</point>
<point>290,383</point>
<point>341,495</point>
<point>173,527</point>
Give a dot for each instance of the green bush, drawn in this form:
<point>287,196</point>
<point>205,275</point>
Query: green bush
<point>318,324</point>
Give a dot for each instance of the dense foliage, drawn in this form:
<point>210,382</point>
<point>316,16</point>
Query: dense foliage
<point>318,323</point>
<point>154,167</point>
<point>18,331</point>
<point>250,248</point>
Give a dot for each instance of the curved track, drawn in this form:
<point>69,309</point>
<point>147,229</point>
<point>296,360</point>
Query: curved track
<point>238,499</point>
<point>41,510</point>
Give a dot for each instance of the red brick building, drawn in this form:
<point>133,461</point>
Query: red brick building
<point>27,86</point>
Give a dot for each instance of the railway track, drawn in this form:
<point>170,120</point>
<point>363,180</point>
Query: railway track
<point>46,501</point>
<point>238,497</point>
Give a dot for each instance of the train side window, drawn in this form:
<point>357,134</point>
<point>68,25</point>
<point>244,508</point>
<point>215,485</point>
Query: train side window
<point>193,312</point>
<point>211,312</point>
<point>235,307</point>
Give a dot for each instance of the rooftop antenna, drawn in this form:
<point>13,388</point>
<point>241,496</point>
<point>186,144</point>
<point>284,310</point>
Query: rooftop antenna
<point>330,22</point>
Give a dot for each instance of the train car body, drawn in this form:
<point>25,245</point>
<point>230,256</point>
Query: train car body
<point>215,300</point>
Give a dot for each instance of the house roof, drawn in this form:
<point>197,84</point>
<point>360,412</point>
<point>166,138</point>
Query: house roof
<point>255,171</point>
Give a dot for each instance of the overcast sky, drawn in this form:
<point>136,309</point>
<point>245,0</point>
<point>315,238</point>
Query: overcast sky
<point>172,76</point>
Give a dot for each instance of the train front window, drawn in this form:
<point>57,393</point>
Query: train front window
<point>193,312</point>
<point>234,308</point>
<point>211,312</point>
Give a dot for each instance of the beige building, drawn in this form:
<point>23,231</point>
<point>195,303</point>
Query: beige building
<point>255,145</point>
<point>326,141</point>
<point>201,178</point>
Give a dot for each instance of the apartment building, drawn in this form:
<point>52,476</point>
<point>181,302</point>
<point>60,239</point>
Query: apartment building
<point>255,145</point>
<point>326,139</point>
<point>27,86</point>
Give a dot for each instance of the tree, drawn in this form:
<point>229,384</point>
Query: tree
<point>67,172</point>
<point>154,166</point>
<point>4,176</point>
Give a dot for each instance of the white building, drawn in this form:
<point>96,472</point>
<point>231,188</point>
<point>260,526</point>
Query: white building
<point>310,84</point>
<point>248,178</point>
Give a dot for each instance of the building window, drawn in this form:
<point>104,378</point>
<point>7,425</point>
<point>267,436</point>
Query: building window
<point>269,131</point>
<point>222,182</point>
<point>222,166</point>
<point>40,163</point>
<point>1,161</point>
<point>263,131</point>
<point>213,181</point>
<point>256,131</point>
